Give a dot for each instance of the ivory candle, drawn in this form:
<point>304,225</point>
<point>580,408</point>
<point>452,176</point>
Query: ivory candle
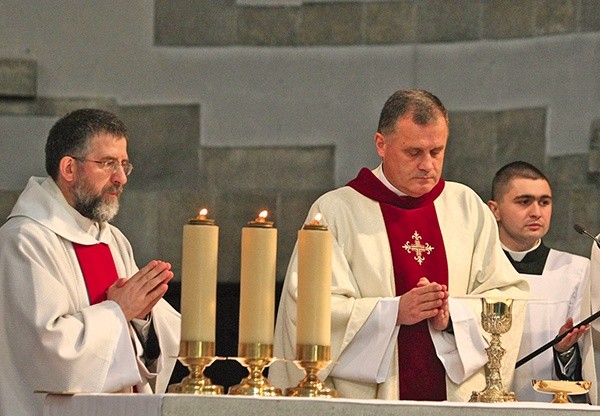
<point>315,244</point>
<point>199,279</point>
<point>257,281</point>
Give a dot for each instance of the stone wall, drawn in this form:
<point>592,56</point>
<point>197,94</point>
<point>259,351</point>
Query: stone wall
<point>175,175</point>
<point>314,23</point>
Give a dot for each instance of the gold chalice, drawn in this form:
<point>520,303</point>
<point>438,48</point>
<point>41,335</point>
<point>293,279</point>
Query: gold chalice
<point>496,319</point>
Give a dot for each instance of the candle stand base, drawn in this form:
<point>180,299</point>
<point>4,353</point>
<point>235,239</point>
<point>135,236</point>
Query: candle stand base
<point>255,357</point>
<point>312,359</point>
<point>196,355</point>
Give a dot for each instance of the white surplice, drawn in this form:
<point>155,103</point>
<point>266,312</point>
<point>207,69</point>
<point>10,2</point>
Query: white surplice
<point>595,295</point>
<point>363,277</point>
<point>51,339</point>
<point>561,291</point>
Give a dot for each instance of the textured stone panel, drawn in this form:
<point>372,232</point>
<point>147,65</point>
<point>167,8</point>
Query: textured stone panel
<point>470,151</point>
<point>447,21</point>
<point>45,106</point>
<point>508,18</point>
<point>585,210</point>
<point>594,153</point>
<point>267,168</point>
<point>227,22</point>
<point>590,15</point>
<point>555,16</point>
<point>521,136</point>
<point>195,23</point>
<point>22,156</point>
<point>331,24</point>
<point>18,78</point>
<point>268,26</point>
<point>566,170</point>
<point>390,22</point>
<point>163,146</point>
<point>7,202</point>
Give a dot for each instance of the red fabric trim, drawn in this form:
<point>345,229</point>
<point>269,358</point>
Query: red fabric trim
<point>411,221</point>
<point>98,268</point>
<point>368,185</point>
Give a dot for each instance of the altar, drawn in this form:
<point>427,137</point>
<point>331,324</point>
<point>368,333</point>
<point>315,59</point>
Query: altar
<point>185,404</point>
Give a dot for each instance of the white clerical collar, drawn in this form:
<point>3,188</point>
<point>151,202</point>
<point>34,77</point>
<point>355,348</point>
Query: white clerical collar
<point>378,172</point>
<point>89,226</point>
<point>520,255</point>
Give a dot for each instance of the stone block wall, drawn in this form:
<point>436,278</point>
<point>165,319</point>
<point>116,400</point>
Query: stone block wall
<point>18,78</point>
<point>314,23</point>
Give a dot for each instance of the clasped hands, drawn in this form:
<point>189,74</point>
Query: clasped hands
<point>137,295</point>
<point>428,300</point>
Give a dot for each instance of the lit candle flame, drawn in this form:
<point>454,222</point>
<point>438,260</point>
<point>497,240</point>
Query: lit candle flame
<point>262,216</point>
<point>317,219</point>
<point>202,214</point>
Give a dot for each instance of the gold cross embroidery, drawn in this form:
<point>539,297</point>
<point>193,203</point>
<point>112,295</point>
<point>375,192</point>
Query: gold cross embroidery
<point>418,248</point>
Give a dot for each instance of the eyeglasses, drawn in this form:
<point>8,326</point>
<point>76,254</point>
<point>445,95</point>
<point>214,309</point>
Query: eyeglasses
<point>109,165</point>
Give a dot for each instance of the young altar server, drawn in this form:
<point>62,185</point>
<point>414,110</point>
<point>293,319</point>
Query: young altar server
<point>559,281</point>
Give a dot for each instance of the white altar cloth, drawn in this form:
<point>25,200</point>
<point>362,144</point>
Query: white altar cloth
<point>184,405</point>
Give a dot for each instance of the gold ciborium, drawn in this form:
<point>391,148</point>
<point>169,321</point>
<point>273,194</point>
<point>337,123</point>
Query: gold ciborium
<point>496,319</point>
<point>196,355</point>
<point>561,389</point>
<point>255,357</point>
<point>312,359</point>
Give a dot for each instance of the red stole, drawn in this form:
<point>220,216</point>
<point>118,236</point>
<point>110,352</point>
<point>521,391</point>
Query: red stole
<point>98,268</point>
<point>418,251</point>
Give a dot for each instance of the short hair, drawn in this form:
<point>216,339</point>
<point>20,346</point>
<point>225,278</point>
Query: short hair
<point>423,106</point>
<point>72,134</point>
<point>507,173</point>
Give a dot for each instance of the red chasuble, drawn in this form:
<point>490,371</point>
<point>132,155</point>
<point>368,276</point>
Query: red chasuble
<point>418,251</point>
<point>98,268</point>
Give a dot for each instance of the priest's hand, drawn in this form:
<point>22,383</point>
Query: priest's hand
<point>571,338</point>
<point>138,295</point>
<point>429,300</point>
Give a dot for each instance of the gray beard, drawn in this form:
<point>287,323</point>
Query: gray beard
<point>92,206</point>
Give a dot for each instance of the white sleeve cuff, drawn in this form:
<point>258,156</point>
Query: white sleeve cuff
<point>368,357</point>
<point>463,353</point>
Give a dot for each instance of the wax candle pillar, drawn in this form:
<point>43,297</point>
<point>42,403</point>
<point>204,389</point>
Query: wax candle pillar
<point>257,281</point>
<point>315,244</point>
<point>199,279</point>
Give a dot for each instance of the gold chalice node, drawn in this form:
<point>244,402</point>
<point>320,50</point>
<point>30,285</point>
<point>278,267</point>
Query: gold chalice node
<point>496,319</point>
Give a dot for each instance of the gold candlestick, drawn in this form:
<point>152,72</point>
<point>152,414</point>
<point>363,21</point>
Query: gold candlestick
<point>255,357</point>
<point>312,359</point>
<point>196,355</point>
<point>496,319</point>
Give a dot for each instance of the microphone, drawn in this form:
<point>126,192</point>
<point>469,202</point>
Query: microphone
<point>583,231</point>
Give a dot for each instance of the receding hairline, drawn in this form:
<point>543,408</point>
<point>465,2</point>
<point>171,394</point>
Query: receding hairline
<point>421,106</point>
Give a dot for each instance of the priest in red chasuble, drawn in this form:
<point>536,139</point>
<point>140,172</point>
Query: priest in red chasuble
<point>77,314</point>
<point>408,246</point>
